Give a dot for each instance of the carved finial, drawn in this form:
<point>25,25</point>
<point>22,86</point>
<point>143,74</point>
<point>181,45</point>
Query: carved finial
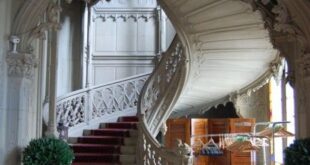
<point>15,40</point>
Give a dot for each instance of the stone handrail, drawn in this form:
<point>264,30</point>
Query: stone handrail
<point>150,152</point>
<point>157,98</point>
<point>162,88</point>
<point>82,107</point>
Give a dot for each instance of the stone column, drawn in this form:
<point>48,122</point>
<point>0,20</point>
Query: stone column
<point>299,21</point>
<point>19,102</point>
<point>302,96</point>
<point>88,47</point>
<point>52,121</point>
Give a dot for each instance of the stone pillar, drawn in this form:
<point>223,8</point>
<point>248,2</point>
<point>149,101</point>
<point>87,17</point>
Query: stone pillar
<point>299,21</point>
<point>302,96</point>
<point>88,47</point>
<point>19,103</point>
<point>52,121</point>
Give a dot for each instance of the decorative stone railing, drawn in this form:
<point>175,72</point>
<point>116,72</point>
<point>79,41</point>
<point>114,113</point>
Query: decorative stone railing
<point>83,107</point>
<point>161,91</point>
<point>150,152</point>
<point>157,99</point>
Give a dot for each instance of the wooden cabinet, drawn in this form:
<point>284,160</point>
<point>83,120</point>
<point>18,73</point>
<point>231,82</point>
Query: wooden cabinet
<point>231,125</point>
<point>177,129</point>
<point>185,128</point>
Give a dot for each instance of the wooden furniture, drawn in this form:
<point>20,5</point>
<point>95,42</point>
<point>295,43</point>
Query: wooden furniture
<point>231,125</point>
<point>185,128</point>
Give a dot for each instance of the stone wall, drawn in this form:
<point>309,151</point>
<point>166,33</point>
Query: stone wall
<point>255,106</point>
<point>5,23</point>
<point>69,48</point>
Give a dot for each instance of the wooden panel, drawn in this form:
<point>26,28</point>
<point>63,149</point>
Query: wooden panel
<point>220,160</point>
<point>241,158</point>
<point>218,126</point>
<point>240,125</point>
<point>199,127</point>
<point>177,129</point>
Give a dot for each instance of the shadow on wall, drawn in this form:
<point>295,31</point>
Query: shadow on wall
<point>222,111</point>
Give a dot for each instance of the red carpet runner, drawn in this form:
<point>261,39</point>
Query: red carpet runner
<point>113,143</point>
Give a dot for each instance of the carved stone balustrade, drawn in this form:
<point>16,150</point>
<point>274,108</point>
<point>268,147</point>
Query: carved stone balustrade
<point>155,105</point>
<point>88,106</point>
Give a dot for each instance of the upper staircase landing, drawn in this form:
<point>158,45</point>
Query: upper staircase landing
<point>230,49</point>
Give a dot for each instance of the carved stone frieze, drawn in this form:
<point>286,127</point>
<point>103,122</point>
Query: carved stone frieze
<point>124,16</point>
<point>21,64</point>
<point>125,4</point>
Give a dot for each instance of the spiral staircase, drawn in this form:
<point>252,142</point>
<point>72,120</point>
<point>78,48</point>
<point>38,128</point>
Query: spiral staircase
<point>222,48</point>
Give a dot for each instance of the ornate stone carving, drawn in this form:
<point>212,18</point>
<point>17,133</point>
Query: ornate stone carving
<point>125,4</point>
<point>21,64</point>
<point>283,21</point>
<point>276,68</point>
<point>167,73</point>
<point>53,12</point>
<point>173,60</point>
<point>100,101</point>
<point>151,153</point>
<point>117,97</point>
<point>125,16</point>
<point>285,24</point>
<point>72,111</point>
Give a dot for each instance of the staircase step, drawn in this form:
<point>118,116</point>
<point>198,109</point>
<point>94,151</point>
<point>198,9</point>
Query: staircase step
<point>88,163</point>
<point>127,159</point>
<point>128,150</point>
<point>101,140</point>
<point>95,157</point>
<point>111,132</point>
<point>128,119</point>
<point>96,148</point>
<point>112,144</point>
<point>120,125</point>
<point>99,148</point>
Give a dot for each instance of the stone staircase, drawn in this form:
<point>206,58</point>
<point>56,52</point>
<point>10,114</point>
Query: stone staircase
<point>230,51</point>
<point>112,143</point>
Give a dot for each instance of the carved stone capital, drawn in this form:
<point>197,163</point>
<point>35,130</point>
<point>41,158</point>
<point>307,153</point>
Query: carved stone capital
<point>21,64</point>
